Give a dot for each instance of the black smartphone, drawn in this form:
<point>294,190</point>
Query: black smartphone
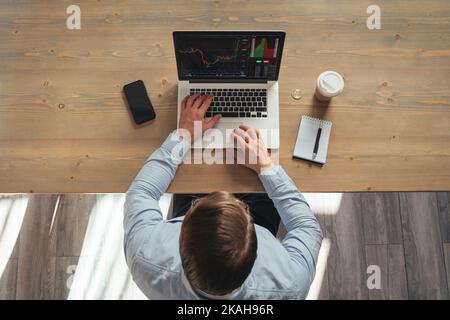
<point>139,102</point>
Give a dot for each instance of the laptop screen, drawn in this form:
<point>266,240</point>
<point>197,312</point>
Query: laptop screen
<point>228,55</point>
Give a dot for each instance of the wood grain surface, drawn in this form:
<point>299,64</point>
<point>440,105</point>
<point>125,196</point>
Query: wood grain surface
<point>423,246</point>
<point>72,248</point>
<point>64,126</point>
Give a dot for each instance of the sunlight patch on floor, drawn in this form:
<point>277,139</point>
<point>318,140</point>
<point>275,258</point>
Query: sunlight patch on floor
<point>102,272</point>
<point>12,212</point>
<point>324,203</point>
<point>319,279</point>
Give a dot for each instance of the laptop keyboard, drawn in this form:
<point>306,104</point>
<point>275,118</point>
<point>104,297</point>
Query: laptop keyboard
<point>236,103</point>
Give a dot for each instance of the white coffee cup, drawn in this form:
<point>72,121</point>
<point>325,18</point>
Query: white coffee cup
<point>329,84</point>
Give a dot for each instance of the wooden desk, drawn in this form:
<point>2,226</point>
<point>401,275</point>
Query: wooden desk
<point>64,126</point>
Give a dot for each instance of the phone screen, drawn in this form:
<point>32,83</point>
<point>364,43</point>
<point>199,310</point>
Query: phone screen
<point>139,102</point>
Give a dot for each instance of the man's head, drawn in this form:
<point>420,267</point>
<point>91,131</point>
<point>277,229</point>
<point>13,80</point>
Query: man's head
<point>218,243</point>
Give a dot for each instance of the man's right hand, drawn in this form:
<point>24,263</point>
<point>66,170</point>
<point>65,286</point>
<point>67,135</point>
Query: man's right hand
<point>252,148</point>
<point>193,108</point>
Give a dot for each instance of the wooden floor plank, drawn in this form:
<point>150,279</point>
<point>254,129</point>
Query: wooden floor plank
<point>443,199</point>
<point>65,270</point>
<point>73,216</point>
<point>377,255</point>
<point>398,286</point>
<point>36,262</point>
<point>447,262</point>
<point>42,264</point>
<point>8,281</point>
<point>424,257</point>
<point>324,293</point>
<point>15,253</point>
<point>346,261</point>
<point>381,218</point>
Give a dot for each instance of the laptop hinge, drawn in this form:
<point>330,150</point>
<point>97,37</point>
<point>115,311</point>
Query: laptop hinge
<point>227,81</point>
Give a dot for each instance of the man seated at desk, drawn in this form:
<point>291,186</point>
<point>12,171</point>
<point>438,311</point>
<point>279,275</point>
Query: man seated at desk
<point>220,245</point>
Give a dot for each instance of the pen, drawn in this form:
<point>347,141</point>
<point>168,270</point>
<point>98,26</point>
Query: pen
<point>316,145</point>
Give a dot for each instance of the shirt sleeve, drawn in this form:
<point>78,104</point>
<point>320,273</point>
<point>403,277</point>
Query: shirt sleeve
<point>304,235</point>
<point>141,210</point>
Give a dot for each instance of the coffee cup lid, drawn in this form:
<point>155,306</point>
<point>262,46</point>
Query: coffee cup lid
<point>330,83</point>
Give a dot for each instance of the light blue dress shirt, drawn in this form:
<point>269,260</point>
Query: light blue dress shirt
<point>282,270</point>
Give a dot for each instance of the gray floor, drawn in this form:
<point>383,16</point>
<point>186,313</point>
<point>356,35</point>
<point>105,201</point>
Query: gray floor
<point>70,246</point>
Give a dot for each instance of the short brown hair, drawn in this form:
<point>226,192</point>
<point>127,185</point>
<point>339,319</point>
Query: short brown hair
<point>217,244</point>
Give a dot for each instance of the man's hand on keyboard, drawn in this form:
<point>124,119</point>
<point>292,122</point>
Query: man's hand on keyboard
<point>193,108</point>
<point>251,147</point>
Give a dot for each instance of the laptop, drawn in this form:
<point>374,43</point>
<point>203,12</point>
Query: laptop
<point>240,68</point>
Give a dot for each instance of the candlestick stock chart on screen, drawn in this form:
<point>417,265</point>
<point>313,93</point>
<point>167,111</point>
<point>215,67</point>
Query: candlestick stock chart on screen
<point>228,57</point>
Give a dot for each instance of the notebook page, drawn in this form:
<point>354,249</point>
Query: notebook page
<point>306,138</point>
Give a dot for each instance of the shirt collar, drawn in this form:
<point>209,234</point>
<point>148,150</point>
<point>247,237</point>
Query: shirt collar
<point>200,294</point>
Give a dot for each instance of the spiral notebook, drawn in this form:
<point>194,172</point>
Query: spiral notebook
<point>308,135</point>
